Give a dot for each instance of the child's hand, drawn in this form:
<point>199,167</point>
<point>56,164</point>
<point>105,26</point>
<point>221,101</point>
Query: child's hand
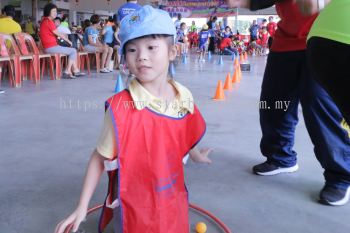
<point>75,218</point>
<point>200,156</point>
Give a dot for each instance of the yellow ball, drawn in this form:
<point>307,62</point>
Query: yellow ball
<point>201,227</point>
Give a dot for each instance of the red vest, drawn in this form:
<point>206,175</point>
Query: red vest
<point>149,182</point>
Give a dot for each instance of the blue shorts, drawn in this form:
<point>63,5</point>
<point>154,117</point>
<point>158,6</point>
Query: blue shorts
<point>203,46</point>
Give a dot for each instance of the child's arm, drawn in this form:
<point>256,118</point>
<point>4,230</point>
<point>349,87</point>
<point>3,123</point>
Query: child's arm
<point>92,177</point>
<point>200,156</point>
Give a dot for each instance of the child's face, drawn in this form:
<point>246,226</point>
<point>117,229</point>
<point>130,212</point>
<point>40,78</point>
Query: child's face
<point>183,27</point>
<point>148,58</point>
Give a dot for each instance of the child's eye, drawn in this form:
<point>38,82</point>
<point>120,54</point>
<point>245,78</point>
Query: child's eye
<point>131,50</point>
<point>151,47</point>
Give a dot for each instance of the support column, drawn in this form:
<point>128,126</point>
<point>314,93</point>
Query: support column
<point>236,21</point>
<point>73,16</point>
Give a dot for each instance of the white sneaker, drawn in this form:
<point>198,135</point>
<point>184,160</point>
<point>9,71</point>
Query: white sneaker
<point>104,70</point>
<point>2,91</point>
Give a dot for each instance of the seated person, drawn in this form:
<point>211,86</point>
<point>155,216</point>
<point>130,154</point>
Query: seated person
<point>49,35</point>
<point>226,46</point>
<point>92,43</point>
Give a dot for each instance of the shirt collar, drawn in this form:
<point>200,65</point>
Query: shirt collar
<point>143,98</point>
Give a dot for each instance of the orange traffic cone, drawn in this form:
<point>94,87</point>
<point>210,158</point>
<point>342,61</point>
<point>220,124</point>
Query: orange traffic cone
<point>241,58</point>
<point>236,63</point>
<point>235,76</point>
<point>228,82</point>
<point>239,73</point>
<point>219,94</point>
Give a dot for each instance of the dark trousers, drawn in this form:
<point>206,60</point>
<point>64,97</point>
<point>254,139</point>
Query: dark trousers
<point>330,60</point>
<point>211,46</point>
<point>287,78</point>
<point>269,42</point>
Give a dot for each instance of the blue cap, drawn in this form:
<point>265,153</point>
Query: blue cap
<point>143,22</point>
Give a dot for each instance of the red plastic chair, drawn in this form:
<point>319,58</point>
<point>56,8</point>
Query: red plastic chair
<point>58,58</point>
<point>28,47</point>
<point>83,57</point>
<point>6,61</point>
<point>96,55</point>
<point>13,52</point>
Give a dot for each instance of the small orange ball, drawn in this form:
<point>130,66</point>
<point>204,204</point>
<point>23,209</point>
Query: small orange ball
<point>201,227</point>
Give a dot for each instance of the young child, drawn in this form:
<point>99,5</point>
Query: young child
<point>203,41</point>
<point>227,46</point>
<point>227,32</point>
<point>264,37</point>
<point>147,131</point>
<point>181,39</point>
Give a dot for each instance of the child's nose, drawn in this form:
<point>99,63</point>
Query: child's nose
<point>142,55</point>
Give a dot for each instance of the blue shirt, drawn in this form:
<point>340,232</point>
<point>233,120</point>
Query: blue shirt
<point>126,9</point>
<point>226,35</point>
<point>180,35</point>
<point>177,24</point>
<point>254,30</point>
<point>203,37</point>
<point>108,36</point>
<point>90,31</point>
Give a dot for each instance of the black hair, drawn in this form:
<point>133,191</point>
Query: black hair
<point>182,24</point>
<point>227,27</point>
<point>94,19</point>
<point>110,19</point>
<point>9,10</point>
<point>169,38</point>
<point>58,18</point>
<point>65,16</point>
<point>86,24</point>
<point>115,18</point>
<point>214,18</point>
<point>264,20</point>
<point>47,9</point>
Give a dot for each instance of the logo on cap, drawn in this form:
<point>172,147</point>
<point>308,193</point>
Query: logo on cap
<point>134,19</point>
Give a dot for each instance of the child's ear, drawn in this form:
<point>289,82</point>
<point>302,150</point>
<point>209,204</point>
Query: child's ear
<point>172,52</point>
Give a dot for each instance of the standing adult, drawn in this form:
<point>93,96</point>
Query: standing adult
<point>212,26</point>
<point>178,22</point>
<point>253,30</point>
<point>288,78</point>
<point>329,50</point>
<point>127,8</point>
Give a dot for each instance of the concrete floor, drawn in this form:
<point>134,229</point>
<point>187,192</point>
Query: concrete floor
<point>48,132</point>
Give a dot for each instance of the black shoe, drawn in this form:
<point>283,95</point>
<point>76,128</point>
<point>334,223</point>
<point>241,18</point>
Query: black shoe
<point>2,91</point>
<point>68,76</point>
<point>79,74</point>
<point>269,169</point>
<point>331,195</point>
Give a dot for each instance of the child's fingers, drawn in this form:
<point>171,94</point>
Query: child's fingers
<point>76,225</point>
<point>57,226</point>
<point>65,223</point>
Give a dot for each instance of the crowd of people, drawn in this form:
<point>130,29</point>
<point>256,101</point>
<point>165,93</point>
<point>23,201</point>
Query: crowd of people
<point>215,37</point>
<point>54,35</point>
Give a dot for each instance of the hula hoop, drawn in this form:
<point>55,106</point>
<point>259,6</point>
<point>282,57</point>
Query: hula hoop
<point>197,208</point>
